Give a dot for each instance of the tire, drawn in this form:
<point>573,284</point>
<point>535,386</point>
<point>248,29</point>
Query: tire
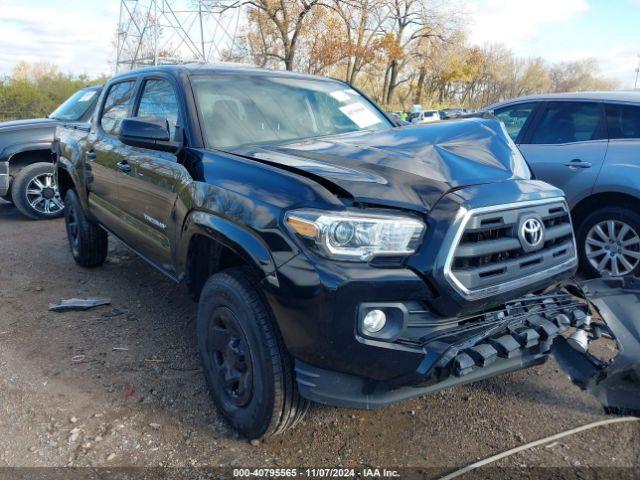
<point>248,370</point>
<point>597,248</point>
<point>88,242</point>
<point>35,193</point>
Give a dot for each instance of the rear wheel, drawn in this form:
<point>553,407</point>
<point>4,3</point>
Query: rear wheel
<point>88,242</point>
<point>609,242</point>
<point>248,370</point>
<point>35,192</point>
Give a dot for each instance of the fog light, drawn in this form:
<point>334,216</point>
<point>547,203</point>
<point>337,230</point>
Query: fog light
<point>374,321</point>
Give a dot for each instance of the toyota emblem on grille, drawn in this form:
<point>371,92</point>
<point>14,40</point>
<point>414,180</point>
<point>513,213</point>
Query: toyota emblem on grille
<point>531,233</point>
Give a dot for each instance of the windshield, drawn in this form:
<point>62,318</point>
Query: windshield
<point>251,109</point>
<point>75,107</point>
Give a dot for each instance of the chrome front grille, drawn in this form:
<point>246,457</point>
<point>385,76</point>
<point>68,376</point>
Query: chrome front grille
<point>492,253</point>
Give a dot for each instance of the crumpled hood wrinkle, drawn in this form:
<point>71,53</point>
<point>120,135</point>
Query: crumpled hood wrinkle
<point>405,166</point>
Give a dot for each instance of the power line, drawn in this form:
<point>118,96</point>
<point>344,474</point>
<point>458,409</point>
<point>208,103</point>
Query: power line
<point>153,32</point>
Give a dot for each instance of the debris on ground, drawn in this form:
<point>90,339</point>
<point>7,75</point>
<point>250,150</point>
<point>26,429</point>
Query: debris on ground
<point>78,304</point>
<point>115,312</point>
<point>154,361</point>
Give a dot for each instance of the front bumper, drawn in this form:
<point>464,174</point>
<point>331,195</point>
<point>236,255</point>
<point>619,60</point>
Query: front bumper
<point>348,391</point>
<point>470,349</point>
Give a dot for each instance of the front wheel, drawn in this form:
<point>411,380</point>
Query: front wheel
<point>609,242</point>
<point>248,370</point>
<point>35,194</point>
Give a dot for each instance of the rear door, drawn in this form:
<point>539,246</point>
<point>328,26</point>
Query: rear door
<point>149,188</point>
<point>515,118</point>
<point>104,151</point>
<point>566,145</point>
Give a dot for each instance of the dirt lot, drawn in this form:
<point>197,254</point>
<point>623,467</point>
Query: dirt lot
<point>121,385</point>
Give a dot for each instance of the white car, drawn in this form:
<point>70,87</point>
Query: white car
<point>427,116</point>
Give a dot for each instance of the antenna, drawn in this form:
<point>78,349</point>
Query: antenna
<point>156,32</point>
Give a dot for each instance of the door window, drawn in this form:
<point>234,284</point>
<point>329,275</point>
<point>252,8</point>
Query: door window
<point>159,101</point>
<point>514,117</point>
<point>567,122</point>
<point>623,121</point>
<point>116,106</point>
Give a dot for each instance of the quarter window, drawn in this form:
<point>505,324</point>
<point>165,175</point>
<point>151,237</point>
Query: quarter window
<point>514,117</point>
<point>116,106</point>
<point>159,101</point>
<point>623,121</point>
<point>568,122</point>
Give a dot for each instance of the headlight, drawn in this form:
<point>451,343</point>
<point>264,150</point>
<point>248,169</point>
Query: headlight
<point>355,236</point>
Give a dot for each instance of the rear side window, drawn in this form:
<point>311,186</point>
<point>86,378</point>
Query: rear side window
<point>514,117</point>
<point>159,101</point>
<point>623,121</point>
<point>116,106</point>
<point>567,122</point>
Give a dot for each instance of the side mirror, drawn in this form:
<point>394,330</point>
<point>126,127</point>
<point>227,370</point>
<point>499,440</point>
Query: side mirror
<point>152,133</point>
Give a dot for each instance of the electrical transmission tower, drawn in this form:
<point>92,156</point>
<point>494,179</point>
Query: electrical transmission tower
<point>155,32</point>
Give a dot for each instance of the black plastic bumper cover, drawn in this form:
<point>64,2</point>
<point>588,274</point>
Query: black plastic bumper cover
<point>500,342</point>
<point>616,384</point>
<point>349,391</point>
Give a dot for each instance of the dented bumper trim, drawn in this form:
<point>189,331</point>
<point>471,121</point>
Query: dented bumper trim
<point>615,383</point>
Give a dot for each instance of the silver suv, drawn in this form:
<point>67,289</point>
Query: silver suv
<point>588,144</point>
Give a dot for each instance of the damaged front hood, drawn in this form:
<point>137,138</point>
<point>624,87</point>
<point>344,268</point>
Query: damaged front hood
<point>407,166</point>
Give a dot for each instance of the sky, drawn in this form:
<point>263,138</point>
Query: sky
<point>78,35</point>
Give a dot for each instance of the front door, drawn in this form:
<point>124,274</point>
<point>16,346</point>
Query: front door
<point>104,152</point>
<point>150,184</point>
<point>566,146</point>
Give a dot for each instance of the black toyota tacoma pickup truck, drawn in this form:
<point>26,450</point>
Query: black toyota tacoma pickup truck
<point>336,258</point>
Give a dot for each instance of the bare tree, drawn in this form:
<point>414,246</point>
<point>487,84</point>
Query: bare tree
<point>286,18</point>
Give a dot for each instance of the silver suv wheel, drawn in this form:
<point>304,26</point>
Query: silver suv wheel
<point>43,195</point>
<point>613,247</point>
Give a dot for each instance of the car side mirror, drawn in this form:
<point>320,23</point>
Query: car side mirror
<point>152,133</point>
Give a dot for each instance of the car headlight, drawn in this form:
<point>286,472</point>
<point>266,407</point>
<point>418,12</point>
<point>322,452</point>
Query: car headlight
<point>357,236</point>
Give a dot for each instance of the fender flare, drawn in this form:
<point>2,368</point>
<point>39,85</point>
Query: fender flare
<point>237,238</point>
<point>11,150</point>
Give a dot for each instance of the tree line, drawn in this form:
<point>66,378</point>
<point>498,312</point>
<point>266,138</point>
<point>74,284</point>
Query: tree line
<point>400,52</point>
<point>34,90</point>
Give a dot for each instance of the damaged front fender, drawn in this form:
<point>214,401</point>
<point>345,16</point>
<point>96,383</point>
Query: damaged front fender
<point>616,382</point>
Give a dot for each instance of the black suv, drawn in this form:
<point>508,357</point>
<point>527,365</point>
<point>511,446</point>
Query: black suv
<point>336,258</point>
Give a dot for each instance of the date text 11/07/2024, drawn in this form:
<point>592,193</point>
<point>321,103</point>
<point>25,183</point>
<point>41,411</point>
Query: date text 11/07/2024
<point>316,472</point>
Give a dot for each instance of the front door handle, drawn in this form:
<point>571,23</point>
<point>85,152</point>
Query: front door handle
<point>91,155</point>
<point>577,163</point>
<point>123,166</point>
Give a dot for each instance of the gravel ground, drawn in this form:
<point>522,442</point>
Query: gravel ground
<point>121,385</point>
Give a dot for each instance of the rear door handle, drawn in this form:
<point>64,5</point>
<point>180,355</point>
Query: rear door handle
<point>91,155</point>
<point>577,163</point>
<point>123,166</point>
